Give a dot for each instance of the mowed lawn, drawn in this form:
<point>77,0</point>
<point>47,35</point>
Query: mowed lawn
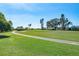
<point>65,35</point>
<point>15,45</point>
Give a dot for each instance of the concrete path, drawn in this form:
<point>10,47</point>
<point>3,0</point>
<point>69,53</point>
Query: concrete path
<point>49,39</point>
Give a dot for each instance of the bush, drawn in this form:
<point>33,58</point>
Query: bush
<point>19,28</point>
<point>75,28</point>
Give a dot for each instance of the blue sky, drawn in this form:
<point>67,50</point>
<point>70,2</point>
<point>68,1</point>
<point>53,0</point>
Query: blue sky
<point>23,14</point>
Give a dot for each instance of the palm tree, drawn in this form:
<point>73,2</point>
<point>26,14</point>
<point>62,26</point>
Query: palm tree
<point>64,22</point>
<point>42,23</point>
<point>29,25</point>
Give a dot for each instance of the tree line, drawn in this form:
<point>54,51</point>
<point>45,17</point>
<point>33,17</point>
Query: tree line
<point>4,24</point>
<point>61,23</point>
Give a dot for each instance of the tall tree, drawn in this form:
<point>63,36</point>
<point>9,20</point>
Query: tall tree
<point>19,28</point>
<point>42,23</point>
<point>53,23</point>
<point>10,23</point>
<point>4,24</point>
<point>29,25</point>
<point>48,25</point>
<point>64,22</point>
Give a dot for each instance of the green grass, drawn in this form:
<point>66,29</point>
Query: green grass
<point>16,45</point>
<point>66,35</point>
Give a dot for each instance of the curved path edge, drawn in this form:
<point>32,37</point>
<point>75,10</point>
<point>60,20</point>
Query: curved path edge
<point>49,39</point>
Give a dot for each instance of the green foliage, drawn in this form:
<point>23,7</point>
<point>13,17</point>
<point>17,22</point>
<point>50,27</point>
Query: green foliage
<point>53,24</point>
<point>4,24</point>
<point>62,23</point>
<point>74,28</point>
<point>19,28</point>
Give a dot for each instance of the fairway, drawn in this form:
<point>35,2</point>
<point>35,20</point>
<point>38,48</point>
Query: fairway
<point>16,45</point>
<point>65,35</point>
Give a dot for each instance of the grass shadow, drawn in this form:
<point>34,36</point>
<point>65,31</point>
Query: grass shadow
<point>4,36</point>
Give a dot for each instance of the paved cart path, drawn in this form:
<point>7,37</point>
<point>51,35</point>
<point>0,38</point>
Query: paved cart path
<point>49,39</point>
